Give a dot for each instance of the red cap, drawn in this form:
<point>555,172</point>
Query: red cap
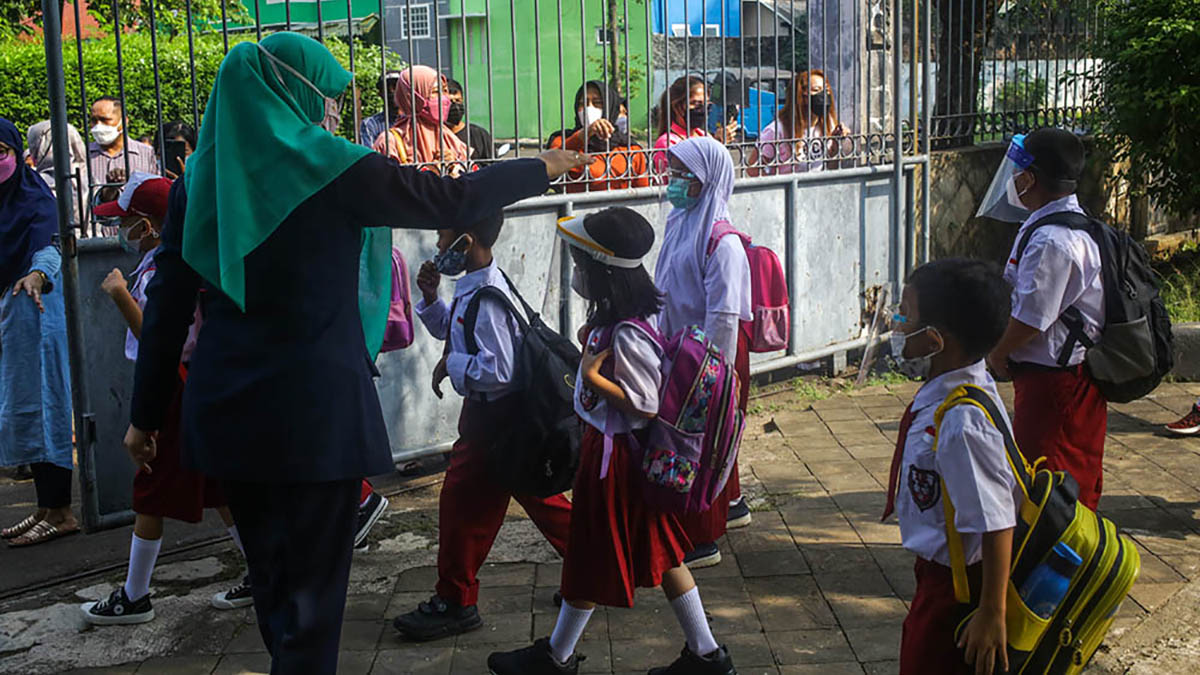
<point>144,197</point>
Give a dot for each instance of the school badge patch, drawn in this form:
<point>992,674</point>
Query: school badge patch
<point>925,486</point>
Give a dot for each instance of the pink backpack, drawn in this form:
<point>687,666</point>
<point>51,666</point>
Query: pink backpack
<point>688,451</point>
<point>768,329</point>
<point>399,331</point>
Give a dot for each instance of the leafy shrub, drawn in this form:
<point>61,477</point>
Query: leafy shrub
<point>24,96</point>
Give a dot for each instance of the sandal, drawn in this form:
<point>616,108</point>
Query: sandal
<point>40,534</point>
<point>20,528</point>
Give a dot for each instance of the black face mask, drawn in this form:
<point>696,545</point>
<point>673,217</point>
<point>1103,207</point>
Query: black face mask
<point>696,117</point>
<point>818,103</point>
<point>455,114</point>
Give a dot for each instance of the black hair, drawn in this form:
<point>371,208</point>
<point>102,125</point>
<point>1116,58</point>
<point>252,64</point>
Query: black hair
<point>384,77</point>
<point>1058,159</point>
<point>453,87</point>
<point>616,294</point>
<point>679,91</point>
<point>175,129</point>
<point>486,231</point>
<point>966,299</point>
<point>111,99</point>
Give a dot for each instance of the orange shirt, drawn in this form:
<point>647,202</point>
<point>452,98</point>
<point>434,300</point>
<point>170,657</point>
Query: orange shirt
<point>617,169</point>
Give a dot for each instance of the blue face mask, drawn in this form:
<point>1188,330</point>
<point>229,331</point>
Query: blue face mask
<point>451,262</point>
<point>677,193</point>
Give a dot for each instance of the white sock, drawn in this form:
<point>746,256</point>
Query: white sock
<point>567,631</point>
<point>690,613</point>
<point>143,553</point>
<point>237,539</point>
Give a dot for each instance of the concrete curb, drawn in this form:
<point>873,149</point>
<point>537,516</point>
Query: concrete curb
<point>1187,351</point>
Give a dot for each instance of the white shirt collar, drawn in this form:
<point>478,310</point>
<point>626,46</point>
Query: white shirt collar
<point>935,391</point>
<point>473,281</point>
<point>1068,203</point>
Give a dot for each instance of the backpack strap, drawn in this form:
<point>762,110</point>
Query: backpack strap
<point>970,394</point>
<point>471,315</point>
<point>721,228</point>
<point>1071,318</point>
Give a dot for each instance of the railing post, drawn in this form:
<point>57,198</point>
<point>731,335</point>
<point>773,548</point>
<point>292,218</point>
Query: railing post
<point>900,265</point>
<point>80,402</point>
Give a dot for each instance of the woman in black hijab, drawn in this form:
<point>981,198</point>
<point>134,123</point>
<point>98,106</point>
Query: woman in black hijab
<point>617,162</point>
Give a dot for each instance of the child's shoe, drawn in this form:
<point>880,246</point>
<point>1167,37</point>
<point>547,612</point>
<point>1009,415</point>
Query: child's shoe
<point>1188,425</point>
<point>532,660</point>
<point>704,555</point>
<point>236,597</point>
<point>739,515</point>
<point>368,515</point>
<point>437,619</point>
<point>118,609</point>
<point>716,663</point>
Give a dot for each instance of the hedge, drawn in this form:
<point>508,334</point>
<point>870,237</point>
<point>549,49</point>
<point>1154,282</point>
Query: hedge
<point>24,97</point>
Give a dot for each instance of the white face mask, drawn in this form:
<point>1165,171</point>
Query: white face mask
<point>623,124</point>
<point>104,134</point>
<point>917,367</point>
<point>589,115</point>
<point>1011,194</point>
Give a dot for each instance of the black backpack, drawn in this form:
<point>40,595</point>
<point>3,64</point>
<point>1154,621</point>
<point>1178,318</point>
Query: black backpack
<point>1135,347</point>
<point>539,452</point>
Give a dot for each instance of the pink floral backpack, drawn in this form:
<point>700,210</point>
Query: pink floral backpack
<point>399,331</point>
<point>770,325</point>
<point>688,451</point>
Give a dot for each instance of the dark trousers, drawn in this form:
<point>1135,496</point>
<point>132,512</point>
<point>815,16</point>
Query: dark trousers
<point>298,539</point>
<point>53,485</point>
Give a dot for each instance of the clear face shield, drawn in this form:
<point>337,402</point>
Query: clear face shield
<point>1002,201</point>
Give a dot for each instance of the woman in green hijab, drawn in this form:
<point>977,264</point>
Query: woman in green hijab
<point>274,224</point>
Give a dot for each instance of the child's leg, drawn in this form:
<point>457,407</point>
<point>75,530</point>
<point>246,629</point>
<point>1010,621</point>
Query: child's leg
<point>227,518</point>
<point>572,620</point>
<point>143,555</point>
<point>927,639</point>
<point>552,516</point>
<point>680,588</point>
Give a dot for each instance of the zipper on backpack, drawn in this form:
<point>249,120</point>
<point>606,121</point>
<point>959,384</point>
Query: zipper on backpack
<point>1096,613</point>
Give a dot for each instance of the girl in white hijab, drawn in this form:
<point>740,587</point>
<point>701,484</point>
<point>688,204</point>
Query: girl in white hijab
<point>41,153</point>
<point>711,290</point>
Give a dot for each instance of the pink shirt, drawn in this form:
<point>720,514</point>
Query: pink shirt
<point>677,134</point>
<point>775,153</point>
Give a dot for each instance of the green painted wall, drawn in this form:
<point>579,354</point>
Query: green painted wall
<point>528,39</point>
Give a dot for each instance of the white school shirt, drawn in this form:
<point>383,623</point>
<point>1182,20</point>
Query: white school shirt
<point>490,371</point>
<point>1059,268</point>
<point>691,296</point>
<point>970,460</point>
<point>141,279</point>
<point>637,370</point>
<point>810,155</point>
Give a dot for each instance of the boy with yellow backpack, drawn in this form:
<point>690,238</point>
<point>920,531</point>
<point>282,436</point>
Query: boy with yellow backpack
<point>1013,573</point>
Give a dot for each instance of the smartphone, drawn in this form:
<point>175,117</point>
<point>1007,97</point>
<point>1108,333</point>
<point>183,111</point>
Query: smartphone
<point>176,151</point>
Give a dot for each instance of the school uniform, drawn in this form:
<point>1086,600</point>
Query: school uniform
<point>472,505</point>
<point>618,543</point>
<point>970,464</point>
<point>1059,412</point>
<point>280,401</point>
<point>169,489</point>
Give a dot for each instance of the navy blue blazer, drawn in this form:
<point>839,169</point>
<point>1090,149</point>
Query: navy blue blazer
<point>283,392</point>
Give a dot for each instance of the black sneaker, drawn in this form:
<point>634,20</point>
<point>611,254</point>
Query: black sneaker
<point>739,515</point>
<point>437,619</point>
<point>716,663</point>
<point>368,515</point>
<point>117,609</point>
<point>532,660</point>
<point>704,555</point>
<point>236,597</point>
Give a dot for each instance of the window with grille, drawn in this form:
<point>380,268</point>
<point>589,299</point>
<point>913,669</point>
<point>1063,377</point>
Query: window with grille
<point>419,17</point>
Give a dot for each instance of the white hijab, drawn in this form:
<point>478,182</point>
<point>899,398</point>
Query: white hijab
<point>695,286</point>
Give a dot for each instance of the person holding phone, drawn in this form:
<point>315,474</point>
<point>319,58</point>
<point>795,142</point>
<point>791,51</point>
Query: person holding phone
<point>807,133</point>
<point>682,112</point>
<point>176,140</point>
<point>617,162</point>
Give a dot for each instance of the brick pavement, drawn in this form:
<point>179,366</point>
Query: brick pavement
<point>815,585</point>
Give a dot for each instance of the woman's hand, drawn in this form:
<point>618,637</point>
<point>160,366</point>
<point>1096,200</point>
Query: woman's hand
<point>728,133</point>
<point>559,162</point>
<point>986,642</point>
<point>601,128</point>
<point>428,279</point>
<point>142,447</point>
<point>114,283</point>
<point>32,284</point>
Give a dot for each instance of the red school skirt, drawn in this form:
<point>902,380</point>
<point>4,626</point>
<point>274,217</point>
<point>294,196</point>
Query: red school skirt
<point>617,542</point>
<point>171,490</point>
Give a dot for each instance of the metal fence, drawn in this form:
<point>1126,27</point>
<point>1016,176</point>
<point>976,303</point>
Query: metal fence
<point>1005,67</point>
<point>843,199</point>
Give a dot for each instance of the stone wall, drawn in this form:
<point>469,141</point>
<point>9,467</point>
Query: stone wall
<point>738,52</point>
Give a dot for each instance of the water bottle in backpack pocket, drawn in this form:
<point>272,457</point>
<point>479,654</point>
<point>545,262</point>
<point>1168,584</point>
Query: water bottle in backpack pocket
<point>1049,582</point>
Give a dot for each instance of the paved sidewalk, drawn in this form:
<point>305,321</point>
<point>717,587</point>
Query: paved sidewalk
<point>815,585</point>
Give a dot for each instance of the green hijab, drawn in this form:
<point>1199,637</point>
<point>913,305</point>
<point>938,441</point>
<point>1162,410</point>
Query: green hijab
<point>262,153</point>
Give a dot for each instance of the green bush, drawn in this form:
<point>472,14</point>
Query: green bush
<point>1148,106</point>
<point>24,97</point>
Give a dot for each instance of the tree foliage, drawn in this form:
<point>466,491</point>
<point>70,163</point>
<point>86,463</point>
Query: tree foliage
<point>168,16</point>
<point>1148,99</point>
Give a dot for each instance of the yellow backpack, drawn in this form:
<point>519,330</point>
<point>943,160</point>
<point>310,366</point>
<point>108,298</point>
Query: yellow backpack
<point>1062,551</point>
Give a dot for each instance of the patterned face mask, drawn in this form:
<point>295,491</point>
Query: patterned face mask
<point>451,262</point>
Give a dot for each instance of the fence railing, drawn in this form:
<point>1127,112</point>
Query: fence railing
<point>1005,67</point>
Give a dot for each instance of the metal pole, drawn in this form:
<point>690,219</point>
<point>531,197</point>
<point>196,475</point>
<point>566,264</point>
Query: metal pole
<point>898,262</point>
<point>80,402</point>
<point>927,124</point>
